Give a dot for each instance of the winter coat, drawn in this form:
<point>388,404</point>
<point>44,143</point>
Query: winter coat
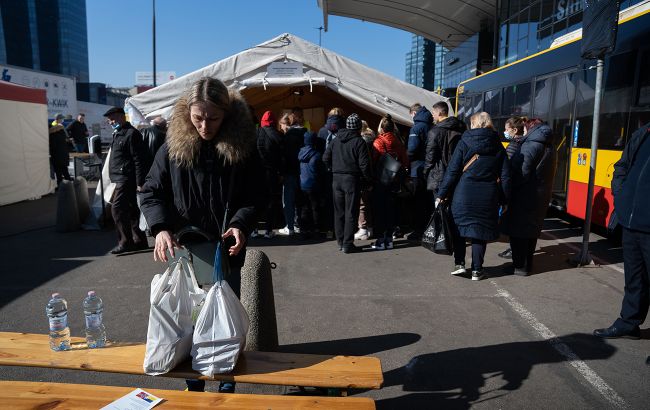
<point>417,140</point>
<point>532,172</point>
<point>312,168</point>
<point>328,132</point>
<point>292,142</point>
<point>631,182</point>
<point>388,143</point>
<point>58,143</point>
<point>478,191</point>
<point>190,180</point>
<point>128,162</point>
<point>348,154</point>
<point>153,138</point>
<point>514,145</point>
<point>78,131</point>
<point>441,142</point>
<point>270,148</point>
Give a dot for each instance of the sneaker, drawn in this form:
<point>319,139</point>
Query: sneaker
<point>361,235</point>
<point>379,245</point>
<point>459,270</point>
<point>296,229</point>
<point>255,234</point>
<point>389,245</point>
<point>477,274</point>
<point>269,234</point>
<point>351,249</point>
<point>507,254</point>
<point>227,387</point>
<point>521,272</point>
<point>286,231</point>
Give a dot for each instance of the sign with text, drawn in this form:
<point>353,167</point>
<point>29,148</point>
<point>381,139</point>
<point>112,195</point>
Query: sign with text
<point>146,77</point>
<point>61,91</point>
<point>284,70</point>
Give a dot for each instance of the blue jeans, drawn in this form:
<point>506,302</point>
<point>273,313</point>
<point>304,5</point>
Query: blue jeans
<point>289,191</point>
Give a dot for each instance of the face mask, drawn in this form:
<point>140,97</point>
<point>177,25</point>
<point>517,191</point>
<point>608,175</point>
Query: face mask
<point>508,136</point>
<point>115,126</point>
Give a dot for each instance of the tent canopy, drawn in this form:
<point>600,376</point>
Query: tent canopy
<point>288,71</point>
<point>448,22</point>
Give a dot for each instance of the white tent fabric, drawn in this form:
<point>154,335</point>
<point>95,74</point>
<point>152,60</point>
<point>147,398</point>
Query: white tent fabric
<point>24,157</point>
<point>448,22</point>
<point>376,92</point>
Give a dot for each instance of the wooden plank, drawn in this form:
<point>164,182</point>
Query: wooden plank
<point>38,395</point>
<point>286,369</point>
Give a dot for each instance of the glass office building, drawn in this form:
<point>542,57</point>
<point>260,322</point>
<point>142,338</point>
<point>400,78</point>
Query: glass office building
<point>45,35</point>
<point>424,64</point>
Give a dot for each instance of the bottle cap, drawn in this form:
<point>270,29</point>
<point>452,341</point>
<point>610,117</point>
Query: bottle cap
<point>56,295</point>
<point>91,293</point>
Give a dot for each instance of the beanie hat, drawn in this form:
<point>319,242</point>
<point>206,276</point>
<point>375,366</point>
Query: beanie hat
<point>268,119</point>
<point>309,138</point>
<point>353,122</point>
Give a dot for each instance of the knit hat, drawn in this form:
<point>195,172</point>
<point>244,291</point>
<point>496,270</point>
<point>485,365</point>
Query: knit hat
<point>268,119</point>
<point>353,122</point>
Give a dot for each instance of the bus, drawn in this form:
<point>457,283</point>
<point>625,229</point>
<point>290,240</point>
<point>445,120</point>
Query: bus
<point>558,86</point>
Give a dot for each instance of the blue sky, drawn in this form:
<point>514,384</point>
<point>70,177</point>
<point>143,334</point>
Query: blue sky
<point>194,33</point>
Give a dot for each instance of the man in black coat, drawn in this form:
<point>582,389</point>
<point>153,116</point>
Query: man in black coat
<point>59,153</point>
<point>154,137</point>
<point>631,190</point>
<point>416,147</point>
<point>348,158</point>
<point>127,169</point>
<point>441,142</point>
<point>79,133</point>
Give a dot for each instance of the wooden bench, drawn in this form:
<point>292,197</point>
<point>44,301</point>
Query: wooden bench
<point>285,369</point>
<point>37,395</point>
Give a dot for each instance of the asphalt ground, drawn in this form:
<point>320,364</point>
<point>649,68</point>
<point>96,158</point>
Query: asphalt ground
<point>506,342</point>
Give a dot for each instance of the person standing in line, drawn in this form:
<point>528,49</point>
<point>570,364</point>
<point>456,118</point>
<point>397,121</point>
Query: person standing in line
<point>154,137</point>
<point>312,178</point>
<point>631,190</point>
<point>532,169</point>
<point>271,152</point>
<point>416,149</point>
<point>78,131</point>
<point>335,122</point>
<point>365,207</point>
<point>59,153</point>
<point>441,143</point>
<point>514,130</point>
<point>384,198</point>
<point>291,194</point>
<point>347,157</point>
<point>127,169</point>
<point>478,177</point>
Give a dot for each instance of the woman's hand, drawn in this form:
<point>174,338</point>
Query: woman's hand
<point>164,241</point>
<point>240,240</point>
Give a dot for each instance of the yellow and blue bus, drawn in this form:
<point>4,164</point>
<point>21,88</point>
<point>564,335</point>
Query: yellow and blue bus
<point>557,86</point>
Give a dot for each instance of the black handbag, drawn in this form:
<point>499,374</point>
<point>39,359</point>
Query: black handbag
<point>391,174</point>
<point>437,237</point>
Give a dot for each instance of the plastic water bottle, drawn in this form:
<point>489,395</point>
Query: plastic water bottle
<point>57,313</point>
<point>95,331</point>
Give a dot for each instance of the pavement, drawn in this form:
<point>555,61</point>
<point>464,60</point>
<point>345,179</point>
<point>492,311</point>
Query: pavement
<point>446,342</point>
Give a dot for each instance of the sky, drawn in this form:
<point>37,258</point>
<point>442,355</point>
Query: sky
<point>191,34</point>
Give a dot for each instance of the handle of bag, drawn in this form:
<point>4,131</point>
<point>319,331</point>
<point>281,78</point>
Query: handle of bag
<point>190,270</point>
<point>470,162</point>
<point>217,272</point>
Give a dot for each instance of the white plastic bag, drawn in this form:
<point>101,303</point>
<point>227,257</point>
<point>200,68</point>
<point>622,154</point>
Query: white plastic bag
<point>220,331</point>
<point>174,296</point>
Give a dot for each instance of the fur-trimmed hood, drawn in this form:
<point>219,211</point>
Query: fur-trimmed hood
<point>235,140</point>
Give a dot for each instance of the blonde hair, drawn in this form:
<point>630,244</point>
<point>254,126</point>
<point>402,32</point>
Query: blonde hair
<point>284,119</point>
<point>336,111</point>
<point>481,120</point>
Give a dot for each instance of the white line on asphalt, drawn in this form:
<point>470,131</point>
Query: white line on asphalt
<point>562,348</point>
<point>577,249</point>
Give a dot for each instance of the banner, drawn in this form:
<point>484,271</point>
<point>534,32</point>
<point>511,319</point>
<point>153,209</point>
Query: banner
<point>599,27</point>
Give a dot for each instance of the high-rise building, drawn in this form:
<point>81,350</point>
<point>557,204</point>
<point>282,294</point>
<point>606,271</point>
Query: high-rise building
<point>424,64</point>
<point>45,35</point>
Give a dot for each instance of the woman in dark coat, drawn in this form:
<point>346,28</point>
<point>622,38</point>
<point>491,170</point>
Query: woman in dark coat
<point>533,170</point>
<point>477,181</point>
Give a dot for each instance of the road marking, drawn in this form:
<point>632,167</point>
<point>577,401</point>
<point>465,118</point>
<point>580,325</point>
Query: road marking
<point>579,365</point>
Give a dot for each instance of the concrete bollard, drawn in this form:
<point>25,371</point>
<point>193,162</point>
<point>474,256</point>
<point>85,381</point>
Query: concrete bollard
<point>67,214</point>
<point>81,192</point>
<point>259,302</point>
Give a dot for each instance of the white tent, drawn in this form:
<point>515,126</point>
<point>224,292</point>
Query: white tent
<point>288,71</point>
<point>24,157</point>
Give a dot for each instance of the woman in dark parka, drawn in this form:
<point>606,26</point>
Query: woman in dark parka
<point>533,170</point>
<point>477,192</point>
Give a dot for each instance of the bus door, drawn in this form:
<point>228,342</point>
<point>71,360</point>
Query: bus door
<point>554,102</point>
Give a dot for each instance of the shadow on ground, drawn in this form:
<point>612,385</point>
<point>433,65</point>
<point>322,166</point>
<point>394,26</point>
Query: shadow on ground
<point>456,379</point>
<point>359,346</point>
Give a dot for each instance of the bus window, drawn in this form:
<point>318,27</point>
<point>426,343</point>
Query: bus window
<point>516,100</point>
<point>493,102</point>
<point>560,120</point>
<point>643,97</point>
<point>542,98</point>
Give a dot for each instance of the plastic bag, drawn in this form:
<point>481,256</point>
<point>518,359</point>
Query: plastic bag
<point>437,237</point>
<point>221,328</point>
<point>175,297</point>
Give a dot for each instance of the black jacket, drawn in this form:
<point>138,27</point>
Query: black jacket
<point>128,162</point>
<point>58,143</point>
<point>154,138</point>
<point>532,171</point>
<point>417,140</point>
<point>348,154</point>
<point>441,142</point>
<point>270,148</point>
<point>293,141</point>
<point>478,191</point>
<point>78,131</point>
<point>631,182</point>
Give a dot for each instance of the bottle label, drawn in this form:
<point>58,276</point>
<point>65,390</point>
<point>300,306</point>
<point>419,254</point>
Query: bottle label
<point>93,320</point>
<point>58,323</point>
